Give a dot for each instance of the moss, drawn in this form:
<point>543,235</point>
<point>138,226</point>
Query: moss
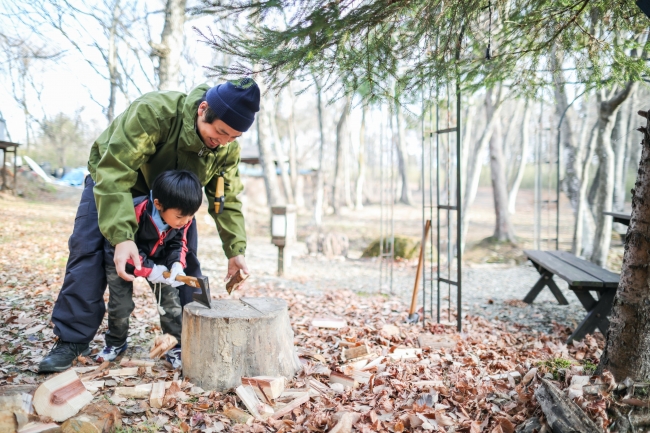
<point>589,367</point>
<point>555,366</point>
<point>405,247</point>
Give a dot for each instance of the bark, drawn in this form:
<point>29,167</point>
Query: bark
<point>503,230</point>
<point>170,49</point>
<point>266,161</point>
<point>112,63</point>
<point>279,154</point>
<point>400,146</point>
<point>318,204</point>
<point>237,338</point>
<point>521,165</point>
<point>340,136</point>
<point>361,162</point>
<point>627,349</point>
<point>475,163</point>
<point>607,110</point>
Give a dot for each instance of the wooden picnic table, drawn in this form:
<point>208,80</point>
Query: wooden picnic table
<point>619,217</point>
<point>582,277</point>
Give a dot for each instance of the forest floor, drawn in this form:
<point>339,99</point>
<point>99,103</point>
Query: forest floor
<point>501,334</point>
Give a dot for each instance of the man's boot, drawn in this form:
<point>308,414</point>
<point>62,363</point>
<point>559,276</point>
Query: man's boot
<point>61,356</point>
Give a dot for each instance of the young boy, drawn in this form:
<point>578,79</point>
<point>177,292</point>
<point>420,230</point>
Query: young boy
<point>163,220</point>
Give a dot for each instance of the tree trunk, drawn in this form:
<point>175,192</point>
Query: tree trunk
<point>170,49</point>
<point>318,204</point>
<point>503,230</point>
<point>475,163</point>
<point>627,349</point>
<point>293,158</point>
<point>266,161</point>
<point>521,166</point>
<point>235,338</point>
<point>400,146</point>
<point>361,163</point>
<point>584,219</point>
<point>340,136</point>
<point>279,154</point>
<point>619,144</point>
<point>607,109</point>
<point>111,60</point>
<point>347,183</point>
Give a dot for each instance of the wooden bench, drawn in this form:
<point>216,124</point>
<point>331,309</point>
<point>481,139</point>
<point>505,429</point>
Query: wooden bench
<point>582,277</point>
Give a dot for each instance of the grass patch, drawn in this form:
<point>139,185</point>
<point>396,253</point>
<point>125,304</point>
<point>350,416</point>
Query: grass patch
<point>589,367</point>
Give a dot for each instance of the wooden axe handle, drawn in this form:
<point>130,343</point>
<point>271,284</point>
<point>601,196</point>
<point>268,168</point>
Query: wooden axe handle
<point>190,281</point>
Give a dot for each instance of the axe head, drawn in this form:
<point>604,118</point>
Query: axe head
<point>203,298</point>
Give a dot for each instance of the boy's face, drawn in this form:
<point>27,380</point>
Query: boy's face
<point>173,217</point>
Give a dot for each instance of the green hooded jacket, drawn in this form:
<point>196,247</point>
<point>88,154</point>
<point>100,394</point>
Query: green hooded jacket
<point>157,133</point>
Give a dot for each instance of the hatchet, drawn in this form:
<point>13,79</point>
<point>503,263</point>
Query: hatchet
<point>202,283</point>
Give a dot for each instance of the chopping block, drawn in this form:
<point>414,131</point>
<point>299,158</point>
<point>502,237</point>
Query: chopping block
<point>251,336</point>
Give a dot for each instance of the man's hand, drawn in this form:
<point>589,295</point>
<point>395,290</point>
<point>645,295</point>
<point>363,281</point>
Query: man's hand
<point>124,251</point>
<point>234,264</point>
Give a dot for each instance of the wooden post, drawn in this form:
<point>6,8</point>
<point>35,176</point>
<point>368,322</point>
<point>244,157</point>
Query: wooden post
<point>235,339</point>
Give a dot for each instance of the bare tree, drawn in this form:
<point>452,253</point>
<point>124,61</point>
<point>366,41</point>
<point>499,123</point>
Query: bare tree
<point>521,164</point>
<point>318,204</point>
<point>608,105</point>
<point>341,126</point>
<point>170,49</point>
<point>400,147</point>
<point>361,172</point>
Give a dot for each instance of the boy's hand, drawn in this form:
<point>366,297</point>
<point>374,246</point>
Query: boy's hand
<point>235,264</point>
<point>176,270</point>
<point>156,275</point>
<point>125,251</point>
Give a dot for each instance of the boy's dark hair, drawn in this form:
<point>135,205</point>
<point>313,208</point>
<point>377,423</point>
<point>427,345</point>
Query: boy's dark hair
<point>178,189</point>
<point>210,116</point>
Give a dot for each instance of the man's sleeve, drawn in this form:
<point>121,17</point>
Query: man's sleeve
<point>230,223</point>
<point>127,144</point>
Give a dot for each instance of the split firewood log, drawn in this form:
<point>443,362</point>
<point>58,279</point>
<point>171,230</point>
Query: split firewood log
<point>101,417</point>
<point>61,397</point>
<point>236,281</point>
<point>162,344</point>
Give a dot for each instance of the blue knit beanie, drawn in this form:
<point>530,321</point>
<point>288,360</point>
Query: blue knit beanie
<point>235,102</point>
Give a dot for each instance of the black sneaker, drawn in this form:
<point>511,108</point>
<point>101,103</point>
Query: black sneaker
<point>61,356</point>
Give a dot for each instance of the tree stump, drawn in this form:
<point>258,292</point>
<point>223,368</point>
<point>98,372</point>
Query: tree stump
<point>235,338</point>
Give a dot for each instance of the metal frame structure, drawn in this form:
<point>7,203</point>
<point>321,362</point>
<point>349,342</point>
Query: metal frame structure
<point>387,197</point>
<point>444,157</point>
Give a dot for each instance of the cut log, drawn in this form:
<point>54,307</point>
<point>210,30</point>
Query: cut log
<point>139,391</point>
<point>236,281</point>
<point>281,409</point>
<point>157,394</point>
<point>346,381</point>
<point>61,397</point>
<point>161,345</point>
<point>119,372</point>
<point>8,422</point>
<point>15,406</point>
<point>234,339</point>
<point>125,362</point>
<point>99,371</point>
<point>238,415</point>
<point>40,427</point>
<point>373,364</point>
<point>355,353</point>
<point>99,417</point>
<point>93,385</point>
<point>329,323</point>
<point>562,414</point>
<point>266,387</point>
<point>258,409</point>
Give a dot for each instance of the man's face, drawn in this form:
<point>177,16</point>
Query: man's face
<point>214,134</point>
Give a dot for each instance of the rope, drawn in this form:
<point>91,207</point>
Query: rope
<point>158,286</point>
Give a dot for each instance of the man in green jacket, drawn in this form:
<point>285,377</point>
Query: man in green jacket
<point>159,131</point>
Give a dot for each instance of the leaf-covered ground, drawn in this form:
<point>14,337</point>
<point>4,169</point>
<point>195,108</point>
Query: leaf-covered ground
<point>484,382</point>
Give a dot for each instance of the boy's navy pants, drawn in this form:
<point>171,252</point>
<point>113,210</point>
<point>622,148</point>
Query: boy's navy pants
<point>79,309</point>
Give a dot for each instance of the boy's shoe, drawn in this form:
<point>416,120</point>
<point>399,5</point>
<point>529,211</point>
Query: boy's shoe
<point>174,357</point>
<point>61,356</point>
<point>109,353</point>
